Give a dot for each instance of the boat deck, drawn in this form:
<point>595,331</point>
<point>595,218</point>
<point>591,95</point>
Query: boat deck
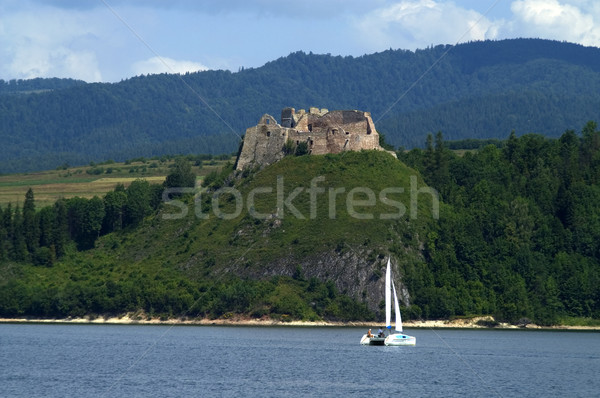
<point>377,341</point>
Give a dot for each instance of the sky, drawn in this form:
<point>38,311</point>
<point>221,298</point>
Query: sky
<point>112,40</point>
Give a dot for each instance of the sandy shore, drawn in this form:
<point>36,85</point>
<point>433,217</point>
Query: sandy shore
<point>470,323</point>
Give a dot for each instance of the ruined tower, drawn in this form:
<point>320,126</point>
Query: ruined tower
<point>323,132</point>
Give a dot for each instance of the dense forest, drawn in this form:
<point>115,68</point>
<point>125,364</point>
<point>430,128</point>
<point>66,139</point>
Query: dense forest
<point>518,237</point>
<point>27,86</point>
<point>475,90</point>
<point>521,222</point>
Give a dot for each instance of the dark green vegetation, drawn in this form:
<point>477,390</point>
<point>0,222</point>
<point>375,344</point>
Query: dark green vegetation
<point>252,263</point>
<point>478,90</point>
<point>36,85</point>
<point>519,232</point>
<point>518,237</point>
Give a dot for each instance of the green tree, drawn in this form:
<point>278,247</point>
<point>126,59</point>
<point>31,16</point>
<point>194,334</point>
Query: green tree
<point>19,244</point>
<point>60,233</point>
<point>511,148</point>
<point>93,221</point>
<point>569,153</point>
<point>85,220</point>
<point>114,207</point>
<point>43,256</point>
<point>46,220</point>
<point>6,225</point>
<point>590,152</point>
<point>138,202</point>
<point>441,176</point>
<point>182,175</point>
<point>302,148</point>
<point>30,227</point>
<point>429,158</point>
<point>289,147</point>
<point>3,238</point>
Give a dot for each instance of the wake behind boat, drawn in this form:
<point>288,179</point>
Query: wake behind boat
<point>393,339</point>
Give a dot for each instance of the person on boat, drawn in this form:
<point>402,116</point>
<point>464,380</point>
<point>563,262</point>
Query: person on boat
<point>381,333</point>
<point>369,334</point>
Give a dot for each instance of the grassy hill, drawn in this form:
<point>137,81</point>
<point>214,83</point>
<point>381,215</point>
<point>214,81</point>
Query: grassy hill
<point>260,264</point>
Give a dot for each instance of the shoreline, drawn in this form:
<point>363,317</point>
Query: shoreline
<point>470,323</point>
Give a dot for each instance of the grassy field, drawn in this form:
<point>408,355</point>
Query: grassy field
<point>91,180</point>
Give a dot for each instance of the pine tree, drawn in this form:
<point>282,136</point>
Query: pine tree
<point>45,221</point>
<point>429,159</point>
<point>30,227</point>
<point>3,237</point>
<point>7,225</point>
<point>19,245</point>
<point>60,234</point>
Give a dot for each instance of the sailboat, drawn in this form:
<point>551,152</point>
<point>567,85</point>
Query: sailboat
<point>397,338</point>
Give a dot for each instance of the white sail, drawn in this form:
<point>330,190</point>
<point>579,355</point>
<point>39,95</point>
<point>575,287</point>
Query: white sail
<point>388,298</point>
<point>392,339</point>
<point>397,309</point>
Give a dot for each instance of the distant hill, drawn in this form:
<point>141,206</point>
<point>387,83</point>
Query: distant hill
<point>476,90</point>
<point>28,86</point>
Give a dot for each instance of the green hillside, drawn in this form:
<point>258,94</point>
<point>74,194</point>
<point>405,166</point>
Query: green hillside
<point>517,237</point>
<point>475,90</point>
<point>255,262</point>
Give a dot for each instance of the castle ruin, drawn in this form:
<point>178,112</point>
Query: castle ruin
<point>322,131</point>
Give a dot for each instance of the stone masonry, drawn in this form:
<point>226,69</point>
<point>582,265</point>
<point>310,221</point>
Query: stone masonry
<point>323,131</point>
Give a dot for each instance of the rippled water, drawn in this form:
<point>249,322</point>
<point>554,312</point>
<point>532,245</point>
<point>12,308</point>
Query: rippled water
<point>126,360</point>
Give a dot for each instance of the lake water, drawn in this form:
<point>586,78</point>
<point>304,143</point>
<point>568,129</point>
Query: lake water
<point>142,361</point>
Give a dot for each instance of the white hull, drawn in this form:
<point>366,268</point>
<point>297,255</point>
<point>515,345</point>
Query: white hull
<point>399,339</point>
<point>365,340</point>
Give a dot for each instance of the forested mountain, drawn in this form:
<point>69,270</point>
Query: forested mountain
<point>474,90</point>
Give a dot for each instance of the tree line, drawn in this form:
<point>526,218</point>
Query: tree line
<point>519,231</point>
<point>41,237</point>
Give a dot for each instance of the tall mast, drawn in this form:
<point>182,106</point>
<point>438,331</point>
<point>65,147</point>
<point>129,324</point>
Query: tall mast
<point>388,297</point>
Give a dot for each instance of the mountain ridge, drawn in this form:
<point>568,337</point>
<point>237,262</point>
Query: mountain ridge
<point>474,90</point>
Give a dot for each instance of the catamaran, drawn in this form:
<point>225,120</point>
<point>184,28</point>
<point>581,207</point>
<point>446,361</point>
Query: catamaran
<point>397,338</point>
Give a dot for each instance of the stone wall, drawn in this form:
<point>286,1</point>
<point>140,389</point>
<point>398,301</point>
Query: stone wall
<point>323,131</point>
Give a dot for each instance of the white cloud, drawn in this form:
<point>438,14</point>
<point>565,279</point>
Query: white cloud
<point>86,40</point>
<point>157,65</point>
<point>415,24</point>
<point>35,61</point>
<point>575,21</point>
<point>47,42</point>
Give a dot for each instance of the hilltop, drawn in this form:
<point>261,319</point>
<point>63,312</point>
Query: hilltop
<point>475,90</point>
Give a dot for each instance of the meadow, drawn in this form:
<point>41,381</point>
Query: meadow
<point>93,179</point>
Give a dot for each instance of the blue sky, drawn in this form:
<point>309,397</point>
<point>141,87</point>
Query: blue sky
<point>111,40</point>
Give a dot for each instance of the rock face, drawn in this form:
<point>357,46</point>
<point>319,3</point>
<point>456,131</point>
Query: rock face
<point>323,132</point>
<point>351,271</point>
